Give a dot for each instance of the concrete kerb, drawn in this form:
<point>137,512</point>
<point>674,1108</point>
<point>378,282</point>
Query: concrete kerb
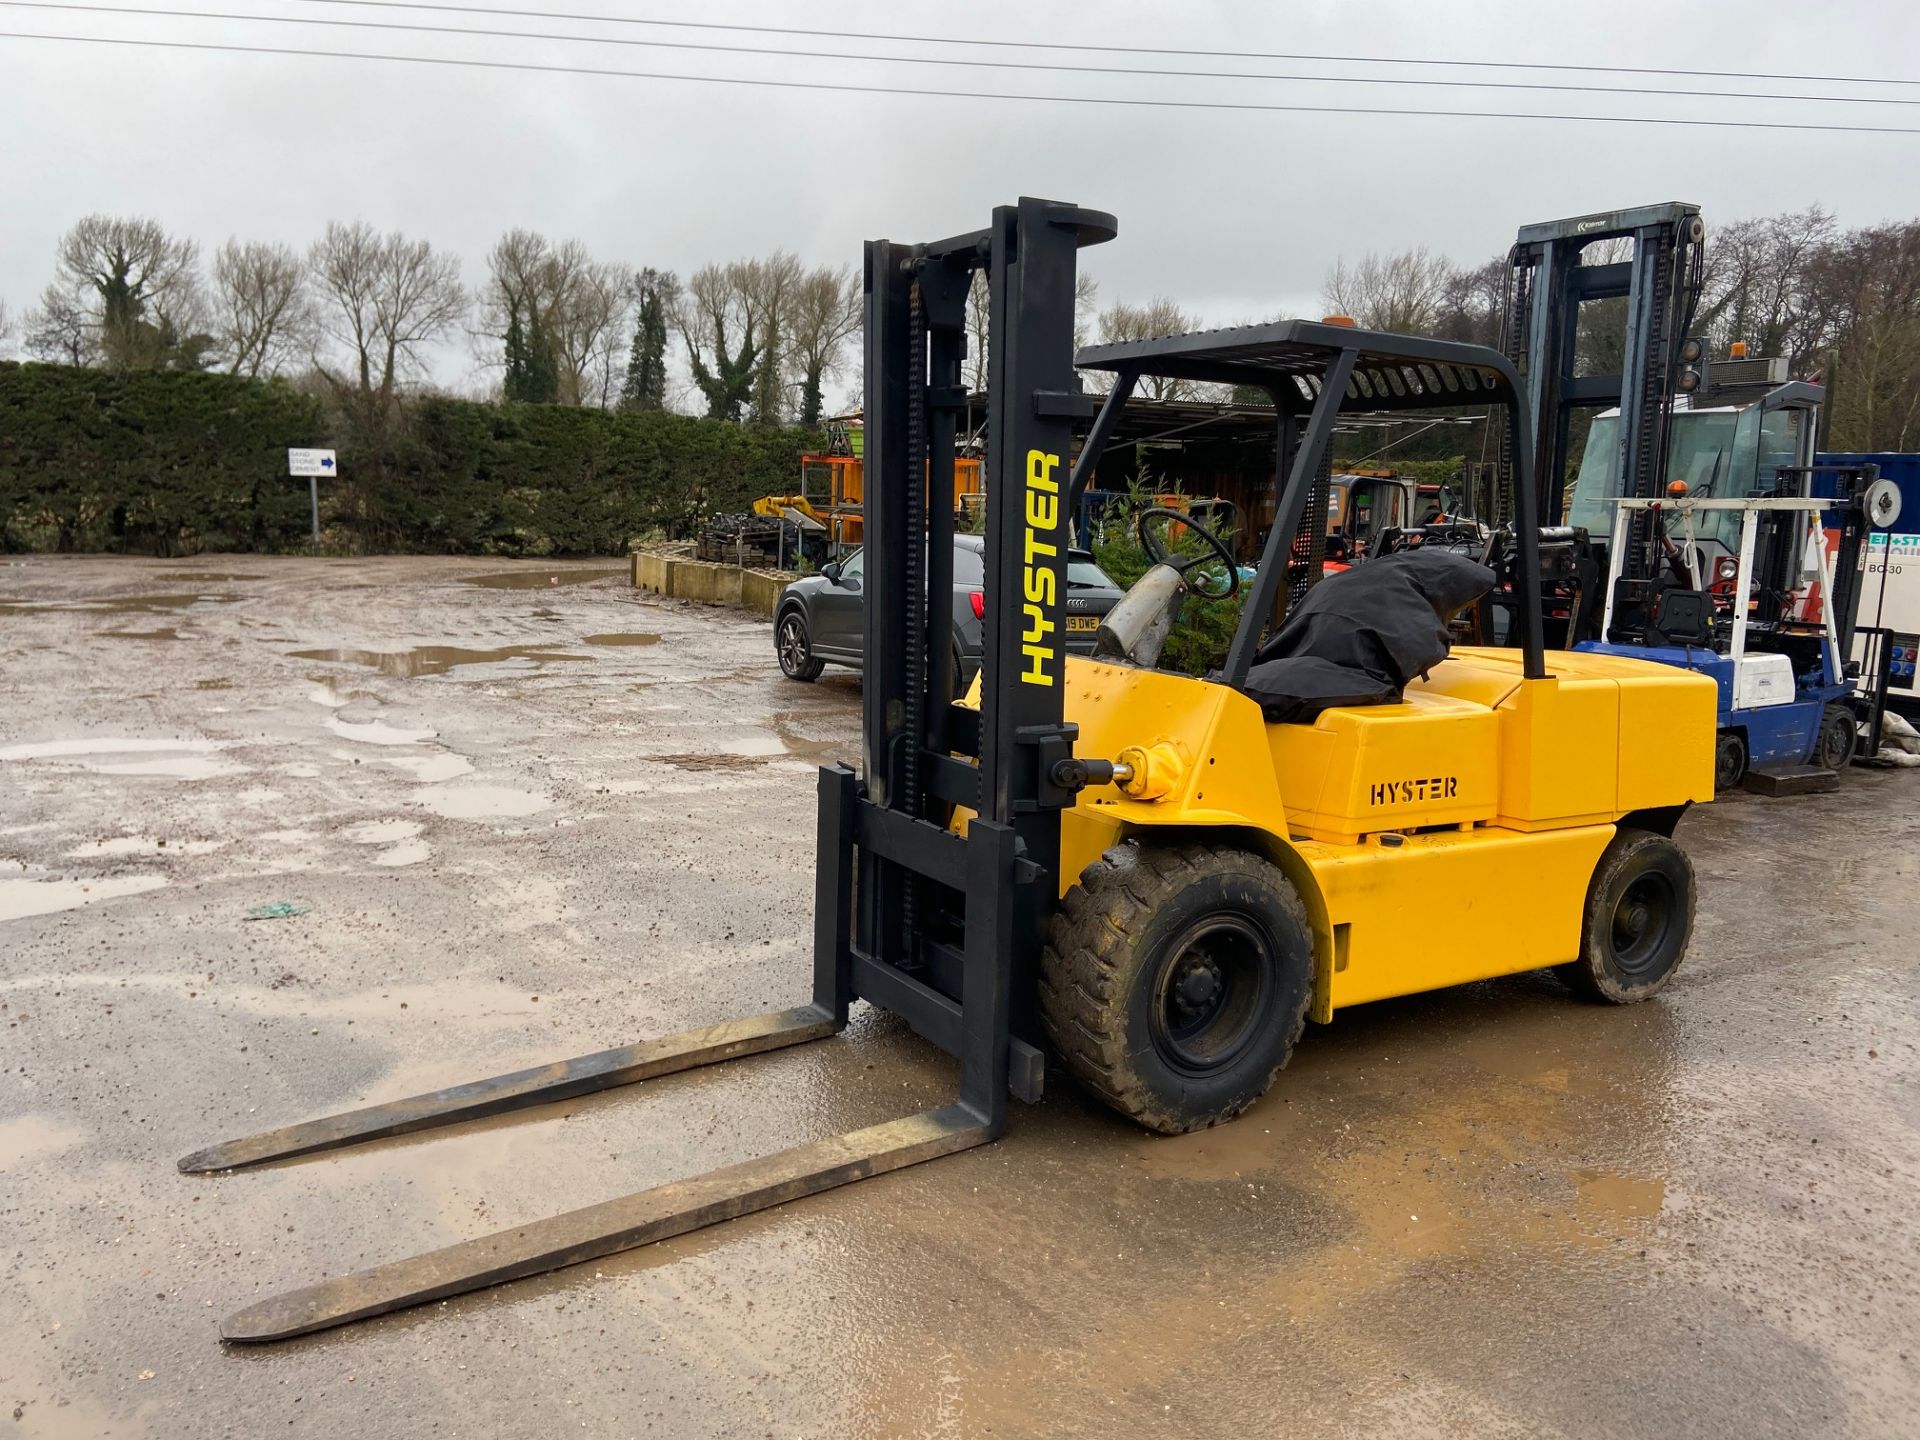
<point>756,591</point>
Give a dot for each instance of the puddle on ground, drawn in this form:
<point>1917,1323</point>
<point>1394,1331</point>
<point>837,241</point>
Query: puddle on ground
<point>538,578</point>
<point>430,769</point>
<point>1621,1195</point>
<point>390,831</point>
<point>407,852</point>
<point>377,732</point>
<point>721,760</point>
<point>175,759</point>
<point>756,748</point>
<point>101,745</point>
<point>785,724</point>
<point>143,845</point>
<point>165,634</point>
<point>481,802</point>
<point>120,605</point>
<point>434,659</point>
<point>217,683</point>
<point>21,898</point>
<point>29,1137</point>
<point>205,577</point>
<point>634,639</point>
<point>170,767</point>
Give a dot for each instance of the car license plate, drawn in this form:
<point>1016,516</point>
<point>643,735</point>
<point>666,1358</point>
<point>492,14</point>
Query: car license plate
<point>1082,623</point>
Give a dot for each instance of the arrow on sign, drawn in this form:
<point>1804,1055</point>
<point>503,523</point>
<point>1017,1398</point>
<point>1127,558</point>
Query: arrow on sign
<point>327,464</point>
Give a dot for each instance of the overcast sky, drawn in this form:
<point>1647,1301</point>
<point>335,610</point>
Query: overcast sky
<point>1232,214</point>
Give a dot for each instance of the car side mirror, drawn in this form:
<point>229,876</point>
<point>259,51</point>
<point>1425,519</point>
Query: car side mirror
<point>831,570</point>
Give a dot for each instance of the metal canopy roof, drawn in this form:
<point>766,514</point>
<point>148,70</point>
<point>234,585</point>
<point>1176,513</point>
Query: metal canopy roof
<point>1392,372</point>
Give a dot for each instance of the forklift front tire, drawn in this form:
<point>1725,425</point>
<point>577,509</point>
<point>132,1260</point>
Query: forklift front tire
<point>1638,920</point>
<point>1175,981</point>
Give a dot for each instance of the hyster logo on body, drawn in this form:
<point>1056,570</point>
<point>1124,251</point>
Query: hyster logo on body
<point>1412,792</point>
<point>1039,584</point>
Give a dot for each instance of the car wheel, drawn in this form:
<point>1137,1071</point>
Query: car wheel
<point>793,642</point>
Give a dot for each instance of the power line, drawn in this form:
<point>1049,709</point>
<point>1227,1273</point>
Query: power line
<point>789,54</point>
<point>823,85</point>
<point>1117,49</point>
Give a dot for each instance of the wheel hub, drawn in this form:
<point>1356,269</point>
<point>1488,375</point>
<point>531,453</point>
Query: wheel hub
<point>1210,994</point>
<point>1640,923</point>
<point>1197,985</point>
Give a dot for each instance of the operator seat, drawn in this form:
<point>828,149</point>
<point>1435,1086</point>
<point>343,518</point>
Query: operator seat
<point>1360,636</point>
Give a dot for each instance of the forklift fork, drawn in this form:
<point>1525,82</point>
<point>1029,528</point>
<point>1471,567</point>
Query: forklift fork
<point>941,928</point>
<point>596,1231</point>
<point>679,1206</point>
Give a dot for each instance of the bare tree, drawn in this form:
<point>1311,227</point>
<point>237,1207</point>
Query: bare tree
<point>141,288</point>
<point>1756,283</point>
<point>1086,297</point>
<point>730,317</point>
<point>6,329</point>
<point>589,325</point>
<point>1864,288</point>
<point>1473,303</point>
<point>262,312</point>
<point>1402,292</point>
<point>825,315</point>
<point>384,298</point>
<point>770,286</point>
<point>562,310</point>
<point>61,331</point>
<point>1121,323</point>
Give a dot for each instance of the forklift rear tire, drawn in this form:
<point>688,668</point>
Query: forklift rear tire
<point>1729,762</point>
<point>1838,735</point>
<point>1175,981</point>
<point>1638,920</point>
<point>794,643</point>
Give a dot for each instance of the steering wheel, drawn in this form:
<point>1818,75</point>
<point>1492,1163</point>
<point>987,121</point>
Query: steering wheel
<point>1184,566</point>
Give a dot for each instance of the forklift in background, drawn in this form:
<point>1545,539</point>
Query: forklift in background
<point>1726,451</point>
<point>1745,591</point>
<point>1154,878</point>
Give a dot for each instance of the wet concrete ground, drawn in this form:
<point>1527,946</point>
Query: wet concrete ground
<point>528,822</point>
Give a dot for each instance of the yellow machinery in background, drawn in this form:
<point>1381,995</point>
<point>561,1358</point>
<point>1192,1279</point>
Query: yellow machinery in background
<point>834,486</point>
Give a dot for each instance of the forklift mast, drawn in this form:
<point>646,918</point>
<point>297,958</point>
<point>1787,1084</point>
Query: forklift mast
<point>1551,280</point>
<point>945,929</point>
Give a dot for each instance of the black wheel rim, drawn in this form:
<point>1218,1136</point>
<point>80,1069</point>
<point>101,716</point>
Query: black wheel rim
<point>793,645</point>
<point>1643,921</point>
<point>1209,994</point>
<point>1837,747</point>
<point>1732,761</point>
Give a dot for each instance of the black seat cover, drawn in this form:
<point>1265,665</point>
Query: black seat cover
<point>1360,635</point>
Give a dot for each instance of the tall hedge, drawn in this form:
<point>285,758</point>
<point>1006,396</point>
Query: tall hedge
<point>172,463</point>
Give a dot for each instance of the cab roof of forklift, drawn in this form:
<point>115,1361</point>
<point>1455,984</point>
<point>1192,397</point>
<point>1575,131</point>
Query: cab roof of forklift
<point>1391,372</point>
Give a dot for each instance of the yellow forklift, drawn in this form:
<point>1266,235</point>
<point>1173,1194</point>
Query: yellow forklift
<point>1153,878</point>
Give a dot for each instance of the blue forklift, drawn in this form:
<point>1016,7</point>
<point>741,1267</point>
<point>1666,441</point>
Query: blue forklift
<point>1744,590</point>
<point>1693,529</point>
